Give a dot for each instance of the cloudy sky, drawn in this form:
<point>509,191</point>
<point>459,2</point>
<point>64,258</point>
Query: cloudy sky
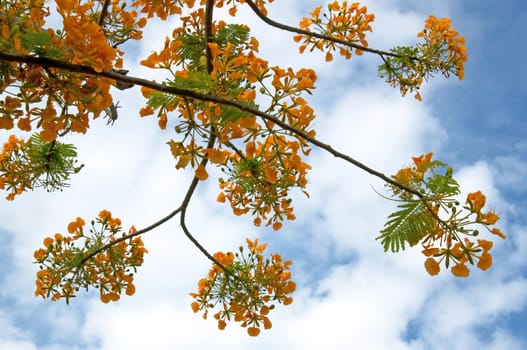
<point>350,294</point>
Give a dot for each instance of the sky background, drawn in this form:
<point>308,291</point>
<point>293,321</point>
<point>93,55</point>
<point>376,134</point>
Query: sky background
<point>350,293</point>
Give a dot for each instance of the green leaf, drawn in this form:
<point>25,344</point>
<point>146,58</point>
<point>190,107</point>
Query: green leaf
<point>443,185</point>
<point>30,40</point>
<point>52,163</point>
<point>41,43</point>
<point>409,224</point>
<point>194,81</point>
<point>236,34</point>
<point>158,99</point>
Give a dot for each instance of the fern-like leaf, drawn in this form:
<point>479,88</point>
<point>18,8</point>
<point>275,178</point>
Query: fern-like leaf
<point>409,224</point>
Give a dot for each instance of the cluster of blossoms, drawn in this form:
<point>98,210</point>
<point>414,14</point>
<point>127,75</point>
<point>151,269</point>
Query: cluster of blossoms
<point>439,34</point>
<point>347,24</point>
<point>57,101</point>
<point>259,177</point>
<point>259,183</point>
<point>245,288</point>
<point>34,163</point>
<point>11,178</point>
<point>443,51</point>
<point>105,258</point>
<point>453,250</point>
<point>444,228</point>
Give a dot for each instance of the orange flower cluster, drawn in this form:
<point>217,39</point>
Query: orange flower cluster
<point>259,182</point>
<point>246,289</point>
<point>444,229</point>
<point>48,95</point>
<point>163,8</point>
<point>412,176</point>
<point>438,33</point>
<point>84,37</point>
<point>343,22</point>
<point>12,179</point>
<point>444,51</point>
<point>462,252</point>
<point>259,177</point>
<point>80,260</point>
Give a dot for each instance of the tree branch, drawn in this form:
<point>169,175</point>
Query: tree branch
<point>209,7</point>
<point>104,12</point>
<point>48,62</point>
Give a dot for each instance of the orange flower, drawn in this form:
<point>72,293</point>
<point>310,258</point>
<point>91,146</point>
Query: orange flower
<point>194,306</point>
<point>498,233</point>
<point>253,331</point>
<point>485,261</point>
<point>486,245</point>
<point>422,161</point>
<point>290,287</point>
<point>432,266</point>
<point>277,225</point>
<point>476,201</point>
<point>460,270</point>
<point>267,323</point>
<point>288,301</point>
<point>216,156</point>
<point>201,173</point>
<point>75,225</point>
<point>489,218</point>
<point>254,247</point>
<point>430,251</point>
<point>105,215</point>
<point>48,241</point>
<point>40,254</point>
<point>222,324</point>
<point>130,289</point>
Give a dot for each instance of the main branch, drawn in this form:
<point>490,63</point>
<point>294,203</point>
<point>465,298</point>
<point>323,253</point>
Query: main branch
<point>52,63</point>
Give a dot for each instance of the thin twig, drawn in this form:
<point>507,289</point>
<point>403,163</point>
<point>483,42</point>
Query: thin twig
<point>285,27</point>
<point>133,234</point>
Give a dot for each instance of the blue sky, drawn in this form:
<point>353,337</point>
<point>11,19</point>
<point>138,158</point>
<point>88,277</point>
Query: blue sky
<point>350,294</point>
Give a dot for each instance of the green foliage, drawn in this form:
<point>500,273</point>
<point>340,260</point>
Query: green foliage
<point>196,80</point>
<point>418,216</point>
<point>443,185</point>
<point>236,34</point>
<point>41,44</point>
<point>52,163</point>
<point>409,224</point>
